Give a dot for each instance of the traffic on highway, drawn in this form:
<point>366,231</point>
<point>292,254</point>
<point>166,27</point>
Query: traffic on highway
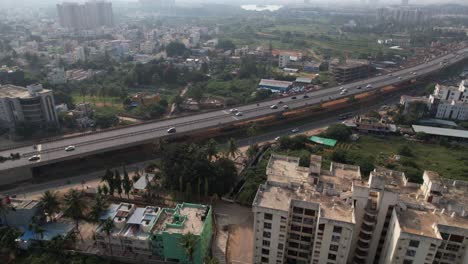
<point>102,141</point>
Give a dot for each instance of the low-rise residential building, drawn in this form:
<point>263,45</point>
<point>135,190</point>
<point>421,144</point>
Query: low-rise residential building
<point>18,213</point>
<point>275,86</point>
<point>315,215</point>
<point>155,233</point>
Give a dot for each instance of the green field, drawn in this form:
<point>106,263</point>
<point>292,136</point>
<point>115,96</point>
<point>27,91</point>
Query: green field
<point>449,162</point>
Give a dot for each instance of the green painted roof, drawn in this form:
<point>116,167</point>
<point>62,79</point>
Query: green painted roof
<point>324,141</point>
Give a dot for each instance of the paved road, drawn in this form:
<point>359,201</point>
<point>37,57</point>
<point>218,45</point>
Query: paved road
<point>52,152</point>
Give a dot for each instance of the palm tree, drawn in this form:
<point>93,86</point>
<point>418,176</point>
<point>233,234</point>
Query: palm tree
<point>232,149</point>
<point>36,228</point>
<point>126,183</point>
<point>50,202</point>
<point>107,227</point>
<point>189,242</point>
<point>74,206</point>
<point>98,207</point>
<point>118,183</point>
<point>211,149</point>
<point>252,131</point>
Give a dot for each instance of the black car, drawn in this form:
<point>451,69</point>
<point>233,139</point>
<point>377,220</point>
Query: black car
<point>305,96</point>
<point>294,97</point>
<point>280,102</point>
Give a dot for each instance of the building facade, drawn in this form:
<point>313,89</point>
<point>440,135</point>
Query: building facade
<point>314,215</point>
<point>155,233</point>
<point>351,71</point>
<point>32,104</point>
<point>85,16</point>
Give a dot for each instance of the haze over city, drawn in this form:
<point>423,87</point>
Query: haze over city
<point>248,131</point>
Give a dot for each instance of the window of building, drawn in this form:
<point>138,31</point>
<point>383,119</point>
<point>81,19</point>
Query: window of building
<point>335,238</point>
<point>452,247</point>
<point>264,260</point>
<point>331,256</point>
<point>297,219</point>
<point>456,238</point>
<point>265,251</point>
<point>410,252</point>
<point>308,221</point>
<point>266,234</point>
<point>309,212</point>
<point>333,247</point>
<point>407,261</point>
<point>303,255</point>
<point>449,256</point>
<point>414,243</point>
<point>268,216</point>
<point>280,246</point>
<point>298,210</point>
<point>293,245</point>
<point>321,227</point>
<point>294,236</point>
<point>292,252</point>
<point>337,229</point>
<point>295,228</point>
<point>266,243</point>
<point>306,238</point>
<point>304,247</point>
<point>307,230</point>
<point>282,228</point>
<point>267,225</point>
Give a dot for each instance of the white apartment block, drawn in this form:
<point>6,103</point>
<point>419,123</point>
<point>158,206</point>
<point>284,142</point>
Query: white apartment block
<point>314,215</point>
<point>450,102</point>
<point>32,104</point>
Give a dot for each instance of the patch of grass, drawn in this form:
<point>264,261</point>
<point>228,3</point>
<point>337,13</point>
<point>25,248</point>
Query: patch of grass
<point>448,162</point>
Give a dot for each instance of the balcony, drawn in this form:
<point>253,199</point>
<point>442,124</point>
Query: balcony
<point>369,219</point>
<point>362,254</point>
<point>363,245</point>
<point>365,237</point>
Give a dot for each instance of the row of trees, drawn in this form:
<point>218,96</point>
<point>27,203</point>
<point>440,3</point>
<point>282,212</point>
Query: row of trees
<point>198,168</point>
<point>115,183</point>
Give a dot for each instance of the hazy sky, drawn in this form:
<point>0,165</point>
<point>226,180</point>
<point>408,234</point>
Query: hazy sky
<point>47,2</point>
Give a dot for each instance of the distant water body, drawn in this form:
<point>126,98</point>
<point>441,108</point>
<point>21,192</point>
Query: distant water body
<point>261,7</point>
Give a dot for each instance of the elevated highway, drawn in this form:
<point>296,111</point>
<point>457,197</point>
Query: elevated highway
<point>54,151</point>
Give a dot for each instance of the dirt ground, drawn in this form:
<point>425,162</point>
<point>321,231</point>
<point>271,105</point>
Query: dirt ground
<point>240,222</point>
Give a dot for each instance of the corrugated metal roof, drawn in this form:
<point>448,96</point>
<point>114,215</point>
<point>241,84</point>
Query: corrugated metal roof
<point>324,141</point>
<point>441,131</point>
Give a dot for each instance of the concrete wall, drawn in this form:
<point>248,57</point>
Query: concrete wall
<point>15,175</point>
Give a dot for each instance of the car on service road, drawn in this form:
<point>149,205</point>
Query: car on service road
<point>70,148</point>
<point>171,130</point>
<point>35,158</point>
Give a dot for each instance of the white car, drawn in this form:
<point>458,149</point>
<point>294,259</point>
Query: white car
<point>171,130</point>
<point>342,88</point>
<point>369,86</point>
<point>274,107</point>
<point>414,73</point>
<point>239,114</point>
<point>35,158</point>
<point>277,138</point>
<point>295,130</point>
<point>343,92</point>
<point>285,107</point>
<point>234,110</point>
<point>70,148</point>
<point>399,77</point>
